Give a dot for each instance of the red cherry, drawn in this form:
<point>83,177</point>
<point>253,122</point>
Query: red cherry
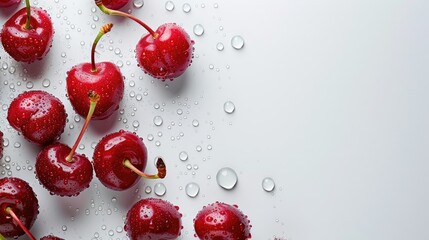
<point>18,207</point>
<point>221,221</point>
<point>27,40</point>
<point>115,4</point>
<point>152,218</point>
<point>51,237</point>
<point>62,177</point>
<point>119,158</point>
<point>164,54</point>
<point>8,3</point>
<point>104,78</point>
<point>167,55</point>
<point>38,115</point>
<point>1,144</point>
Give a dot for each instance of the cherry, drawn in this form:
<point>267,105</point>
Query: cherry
<point>8,3</point>
<point>105,78</point>
<point>60,169</point>
<point>18,207</point>
<point>51,237</point>
<point>115,4</point>
<point>38,115</point>
<point>152,218</point>
<point>1,144</point>
<point>221,221</point>
<point>27,35</point>
<point>165,53</point>
<point>119,159</point>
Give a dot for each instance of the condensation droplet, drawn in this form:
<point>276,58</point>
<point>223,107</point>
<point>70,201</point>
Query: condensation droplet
<point>219,46</point>
<point>159,189</point>
<point>186,7</point>
<point>268,184</point>
<point>198,29</point>
<point>169,6</point>
<point>138,3</point>
<point>229,107</point>
<point>64,228</point>
<point>148,190</point>
<point>157,120</point>
<point>46,83</point>
<point>183,156</point>
<point>226,178</point>
<point>195,123</point>
<point>237,42</point>
<point>192,189</point>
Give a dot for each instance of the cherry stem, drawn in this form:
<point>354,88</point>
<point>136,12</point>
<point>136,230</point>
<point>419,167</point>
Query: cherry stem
<point>103,30</point>
<point>93,98</point>
<point>1,237</point>
<point>25,229</point>
<point>109,11</point>
<point>28,7</point>
<point>160,165</point>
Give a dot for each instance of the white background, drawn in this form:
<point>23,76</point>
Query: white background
<point>331,102</point>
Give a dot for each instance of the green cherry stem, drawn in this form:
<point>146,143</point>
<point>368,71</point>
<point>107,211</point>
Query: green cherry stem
<point>17,220</point>
<point>103,30</point>
<point>109,11</point>
<point>160,165</point>
<point>1,237</point>
<point>93,98</point>
<point>28,7</point>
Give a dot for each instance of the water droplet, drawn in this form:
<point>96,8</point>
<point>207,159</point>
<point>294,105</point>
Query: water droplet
<point>229,107</point>
<point>119,229</point>
<point>138,3</point>
<point>199,148</point>
<point>192,189</point>
<point>157,120</point>
<point>183,156</point>
<point>150,137</point>
<point>219,46</point>
<point>12,69</point>
<point>186,7</point>
<point>169,6</point>
<point>148,190</point>
<point>198,29</point>
<point>136,124</point>
<point>179,111</point>
<point>195,123</point>
<point>268,184</point>
<point>237,42</point>
<point>64,228</point>
<point>226,178</point>
<point>46,83</point>
<point>159,189</point>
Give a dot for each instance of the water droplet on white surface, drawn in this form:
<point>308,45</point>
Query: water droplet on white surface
<point>186,7</point>
<point>229,107</point>
<point>148,190</point>
<point>46,83</point>
<point>195,123</point>
<point>169,6</point>
<point>159,189</point>
<point>138,3</point>
<point>198,29</point>
<point>268,184</point>
<point>157,120</point>
<point>226,178</point>
<point>237,42</point>
<point>183,156</point>
<point>219,46</point>
<point>192,189</point>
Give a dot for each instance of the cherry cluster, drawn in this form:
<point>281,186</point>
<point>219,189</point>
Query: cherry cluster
<point>95,90</point>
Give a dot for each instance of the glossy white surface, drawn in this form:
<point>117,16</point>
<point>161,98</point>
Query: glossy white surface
<point>330,101</point>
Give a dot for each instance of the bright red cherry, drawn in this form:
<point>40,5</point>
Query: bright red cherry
<point>104,78</point>
<point>60,169</point>
<point>115,4</point>
<point>38,115</point>
<point>164,54</point>
<point>120,159</point>
<point>51,237</point>
<point>27,35</point>
<point>152,218</point>
<point>18,208</point>
<point>221,221</point>
<point>8,3</point>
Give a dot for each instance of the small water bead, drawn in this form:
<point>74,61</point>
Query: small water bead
<point>156,106</point>
<point>12,69</point>
<point>189,166</point>
<point>237,42</point>
<point>198,29</point>
<point>209,147</point>
<point>211,66</point>
<point>268,184</point>
<point>17,145</point>
<point>103,227</point>
<point>199,148</point>
<point>169,6</point>
<point>150,137</point>
<point>226,178</point>
<point>192,189</point>
<point>157,143</point>
<point>186,7</point>
<point>157,120</point>
<point>179,111</point>
<point>159,189</point>
<point>119,229</point>
<point>4,66</point>
<point>183,156</point>
<point>46,83</point>
<point>111,233</point>
<point>136,123</point>
<point>215,5</point>
<point>195,123</point>
<point>138,3</point>
<point>148,190</point>
<point>219,46</point>
<point>64,228</point>
<point>229,107</point>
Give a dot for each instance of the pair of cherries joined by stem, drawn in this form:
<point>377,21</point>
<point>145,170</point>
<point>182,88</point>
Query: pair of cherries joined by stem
<point>165,53</point>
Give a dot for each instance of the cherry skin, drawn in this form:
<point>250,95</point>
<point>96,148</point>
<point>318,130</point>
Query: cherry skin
<point>167,55</point>
<point>115,4</point>
<point>62,177</point>
<point>152,218</point>
<point>110,154</point>
<point>8,3</point>
<point>27,45</point>
<point>221,221</point>
<point>1,144</point>
<point>37,115</point>
<point>51,237</point>
<point>16,195</point>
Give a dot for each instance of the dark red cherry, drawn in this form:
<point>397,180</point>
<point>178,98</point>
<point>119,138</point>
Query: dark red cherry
<point>8,3</point>
<point>51,237</point>
<point>115,4</point>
